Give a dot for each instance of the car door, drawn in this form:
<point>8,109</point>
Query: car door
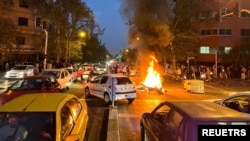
<point>156,125</point>
<point>95,86</point>
<point>62,80</point>
<point>68,78</point>
<point>79,113</point>
<point>73,119</point>
<point>102,86</point>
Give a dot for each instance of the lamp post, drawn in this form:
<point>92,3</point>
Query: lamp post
<point>45,49</point>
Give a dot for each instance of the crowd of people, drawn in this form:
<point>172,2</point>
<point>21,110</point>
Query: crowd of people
<point>207,72</point>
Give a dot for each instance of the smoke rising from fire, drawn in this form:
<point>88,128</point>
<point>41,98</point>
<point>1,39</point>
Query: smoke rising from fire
<point>148,22</point>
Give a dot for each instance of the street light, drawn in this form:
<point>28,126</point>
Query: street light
<point>83,34</point>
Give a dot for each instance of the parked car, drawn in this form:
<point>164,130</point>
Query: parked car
<point>62,75</point>
<point>238,101</point>
<point>183,120</point>
<point>20,71</point>
<point>73,73</point>
<point>30,84</point>
<point>50,117</point>
<point>101,86</point>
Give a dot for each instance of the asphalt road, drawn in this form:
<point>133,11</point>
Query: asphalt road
<point>128,115</point>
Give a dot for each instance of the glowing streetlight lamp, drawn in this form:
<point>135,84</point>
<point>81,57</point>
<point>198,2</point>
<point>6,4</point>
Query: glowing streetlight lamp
<point>83,34</point>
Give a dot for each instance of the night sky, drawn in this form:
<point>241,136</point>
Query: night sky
<point>107,15</point>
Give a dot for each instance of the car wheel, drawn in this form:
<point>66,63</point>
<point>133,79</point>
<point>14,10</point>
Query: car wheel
<point>107,98</point>
<point>87,92</point>
<point>130,100</point>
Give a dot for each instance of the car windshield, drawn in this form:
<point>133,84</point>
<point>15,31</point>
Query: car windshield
<point>19,67</point>
<point>54,73</point>
<point>35,123</point>
<point>32,84</point>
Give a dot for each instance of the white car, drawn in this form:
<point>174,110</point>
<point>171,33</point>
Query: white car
<point>62,75</point>
<point>20,71</point>
<point>100,69</point>
<point>111,87</point>
<point>239,101</point>
<point>73,74</point>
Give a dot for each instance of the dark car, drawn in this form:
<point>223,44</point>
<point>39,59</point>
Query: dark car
<point>30,84</point>
<point>183,120</point>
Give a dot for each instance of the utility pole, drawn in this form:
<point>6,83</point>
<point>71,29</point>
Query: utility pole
<point>45,49</point>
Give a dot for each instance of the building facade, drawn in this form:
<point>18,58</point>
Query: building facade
<point>28,44</point>
<point>223,25</point>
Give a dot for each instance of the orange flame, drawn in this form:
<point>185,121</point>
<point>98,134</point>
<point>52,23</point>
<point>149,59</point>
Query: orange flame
<point>153,78</point>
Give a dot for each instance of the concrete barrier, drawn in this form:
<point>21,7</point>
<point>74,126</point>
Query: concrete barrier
<point>113,126</point>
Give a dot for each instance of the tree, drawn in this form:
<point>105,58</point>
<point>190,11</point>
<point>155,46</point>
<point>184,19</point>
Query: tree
<point>66,19</point>
<point>185,39</point>
<point>94,51</point>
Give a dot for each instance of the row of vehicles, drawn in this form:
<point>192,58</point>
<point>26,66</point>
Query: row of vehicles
<point>41,111</point>
<point>67,113</point>
<point>172,120</point>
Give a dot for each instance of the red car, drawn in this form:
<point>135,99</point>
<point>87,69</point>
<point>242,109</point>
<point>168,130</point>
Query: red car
<point>30,84</point>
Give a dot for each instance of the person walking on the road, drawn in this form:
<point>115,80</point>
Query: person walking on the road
<point>223,76</point>
<point>36,69</point>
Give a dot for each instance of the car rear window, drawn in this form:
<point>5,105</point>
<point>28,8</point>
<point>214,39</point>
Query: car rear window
<point>123,80</point>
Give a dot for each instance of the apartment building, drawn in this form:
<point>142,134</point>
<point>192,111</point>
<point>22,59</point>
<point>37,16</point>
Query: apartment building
<point>28,44</point>
<point>223,25</point>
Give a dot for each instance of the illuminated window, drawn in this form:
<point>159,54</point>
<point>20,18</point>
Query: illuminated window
<point>204,49</point>
<point>227,49</point>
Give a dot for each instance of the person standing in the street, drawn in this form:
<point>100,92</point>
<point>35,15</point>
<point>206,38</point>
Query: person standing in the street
<point>223,76</point>
<point>36,69</point>
<point>7,67</point>
<point>128,70</point>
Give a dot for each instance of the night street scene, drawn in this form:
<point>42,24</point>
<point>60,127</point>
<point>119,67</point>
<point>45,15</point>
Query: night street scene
<point>124,70</point>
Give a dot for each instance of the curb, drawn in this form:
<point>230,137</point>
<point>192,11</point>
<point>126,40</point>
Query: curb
<point>113,126</point>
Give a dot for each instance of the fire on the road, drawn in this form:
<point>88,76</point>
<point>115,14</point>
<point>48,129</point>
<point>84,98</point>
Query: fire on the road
<point>153,79</point>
